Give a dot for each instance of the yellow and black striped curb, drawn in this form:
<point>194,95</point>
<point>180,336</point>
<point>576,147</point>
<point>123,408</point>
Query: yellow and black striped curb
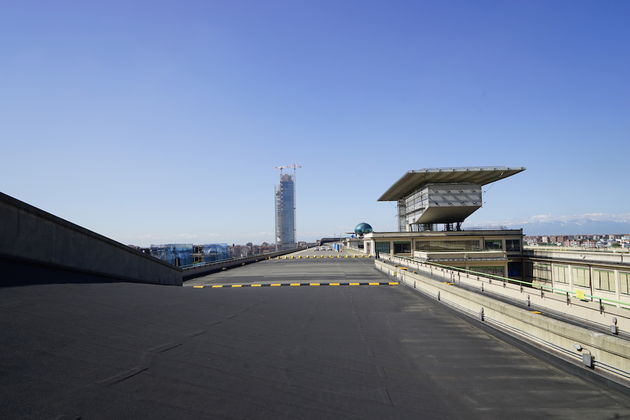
<point>218,286</point>
<point>306,257</point>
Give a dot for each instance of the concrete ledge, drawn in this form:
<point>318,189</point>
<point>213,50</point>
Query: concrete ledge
<point>611,354</point>
<point>31,235</point>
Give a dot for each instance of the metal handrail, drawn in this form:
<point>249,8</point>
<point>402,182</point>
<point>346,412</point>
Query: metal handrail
<point>556,290</point>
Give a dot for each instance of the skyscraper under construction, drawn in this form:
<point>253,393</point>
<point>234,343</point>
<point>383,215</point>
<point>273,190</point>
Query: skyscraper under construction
<point>285,212</point>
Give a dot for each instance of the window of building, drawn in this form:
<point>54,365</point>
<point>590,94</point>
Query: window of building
<point>495,270</point>
<point>493,244</point>
<point>561,273</point>
<point>513,245</point>
<point>542,271</point>
<point>514,269</point>
<point>402,247</point>
<point>445,246</point>
<point>580,277</point>
<point>604,280</point>
<point>624,283</point>
<point>382,247</point>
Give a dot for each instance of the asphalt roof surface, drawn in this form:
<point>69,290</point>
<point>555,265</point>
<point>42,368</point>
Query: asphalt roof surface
<point>123,350</point>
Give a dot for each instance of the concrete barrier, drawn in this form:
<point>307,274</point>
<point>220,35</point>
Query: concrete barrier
<point>32,236</point>
<point>610,354</point>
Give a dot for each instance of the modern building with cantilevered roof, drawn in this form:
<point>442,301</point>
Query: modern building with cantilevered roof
<point>432,205</point>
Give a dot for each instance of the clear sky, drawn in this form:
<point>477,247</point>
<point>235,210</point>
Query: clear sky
<point>162,121</point>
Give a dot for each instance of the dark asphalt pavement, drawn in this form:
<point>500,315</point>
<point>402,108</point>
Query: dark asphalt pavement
<point>137,351</point>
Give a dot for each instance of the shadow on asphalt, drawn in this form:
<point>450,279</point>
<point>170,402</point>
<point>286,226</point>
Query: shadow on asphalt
<point>19,273</point>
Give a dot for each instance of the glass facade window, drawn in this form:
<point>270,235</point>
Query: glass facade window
<point>624,283</point>
<point>438,246</point>
<point>181,255</point>
<point>580,277</point>
<point>402,247</point>
<point>561,273</point>
<point>495,270</point>
<point>382,247</point>
<point>493,244</point>
<point>542,271</point>
<point>512,245</point>
<point>514,269</point>
<point>215,252</point>
<point>174,254</point>
<point>604,280</point>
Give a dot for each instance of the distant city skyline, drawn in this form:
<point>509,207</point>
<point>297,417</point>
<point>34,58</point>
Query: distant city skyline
<point>162,122</point>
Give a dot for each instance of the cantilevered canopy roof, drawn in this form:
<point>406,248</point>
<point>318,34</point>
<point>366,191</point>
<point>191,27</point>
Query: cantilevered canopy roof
<point>413,180</point>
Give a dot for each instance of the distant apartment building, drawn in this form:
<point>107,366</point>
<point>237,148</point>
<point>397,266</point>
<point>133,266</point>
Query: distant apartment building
<point>249,249</point>
<point>580,241</point>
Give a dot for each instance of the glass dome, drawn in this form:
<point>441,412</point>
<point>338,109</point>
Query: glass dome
<point>362,228</point>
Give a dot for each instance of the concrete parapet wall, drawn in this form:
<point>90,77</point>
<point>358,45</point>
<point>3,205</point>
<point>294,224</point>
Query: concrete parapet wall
<point>611,353</point>
<point>578,255</point>
<point>34,236</point>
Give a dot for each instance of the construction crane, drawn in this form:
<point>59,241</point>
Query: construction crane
<point>293,166</point>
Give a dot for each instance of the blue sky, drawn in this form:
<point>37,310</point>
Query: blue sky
<point>162,121</point>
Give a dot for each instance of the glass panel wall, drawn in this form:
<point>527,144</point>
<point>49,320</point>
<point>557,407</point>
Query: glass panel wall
<point>495,270</point>
<point>401,247</point>
<point>438,246</point>
<point>382,247</point>
<point>174,254</point>
<point>215,252</point>
<point>512,245</point>
<point>182,254</point>
<point>580,277</point>
<point>624,283</point>
<point>604,280</point>
<point>561,273</point>
<point>493,244</point>
<point>542,271</point>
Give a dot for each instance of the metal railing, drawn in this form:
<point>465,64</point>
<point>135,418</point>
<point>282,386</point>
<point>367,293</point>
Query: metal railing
<point>555,290</point>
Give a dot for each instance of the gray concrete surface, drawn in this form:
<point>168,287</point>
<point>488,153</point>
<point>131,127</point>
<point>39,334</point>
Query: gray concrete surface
<point>297,270</point>
<point>136,351</point>
<point>611,353</point>
<point>34,236</point>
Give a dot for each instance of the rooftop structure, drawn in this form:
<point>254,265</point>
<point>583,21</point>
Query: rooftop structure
<point>362,229</point>
<point>441,195</point>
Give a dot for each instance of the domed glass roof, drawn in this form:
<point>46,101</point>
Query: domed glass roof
<point>362,228</point>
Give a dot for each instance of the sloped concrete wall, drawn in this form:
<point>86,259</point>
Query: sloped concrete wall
<point>34,236</point>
